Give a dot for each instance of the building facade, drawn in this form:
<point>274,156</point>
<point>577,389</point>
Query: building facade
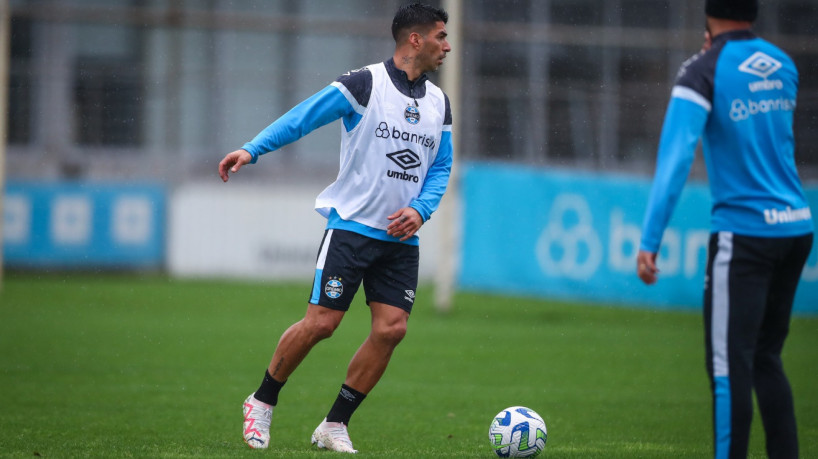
<point>160,90</point>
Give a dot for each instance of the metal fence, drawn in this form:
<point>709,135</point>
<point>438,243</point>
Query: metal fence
<point>161,89</point>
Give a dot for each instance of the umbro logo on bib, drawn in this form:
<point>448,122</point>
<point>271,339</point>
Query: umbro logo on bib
<point>406,159</point>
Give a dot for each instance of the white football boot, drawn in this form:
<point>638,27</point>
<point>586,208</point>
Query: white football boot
<point>257,418</point>
<point>333,436</point>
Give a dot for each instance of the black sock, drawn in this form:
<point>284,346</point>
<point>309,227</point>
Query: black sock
<point>269,389</point>
<point>347,402</point>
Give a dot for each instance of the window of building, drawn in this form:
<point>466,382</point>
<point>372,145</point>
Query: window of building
<point>20,82</point>
<point>108,86</point>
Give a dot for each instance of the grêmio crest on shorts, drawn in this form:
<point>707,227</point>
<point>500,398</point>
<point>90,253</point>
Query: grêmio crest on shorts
<point>385,158</point>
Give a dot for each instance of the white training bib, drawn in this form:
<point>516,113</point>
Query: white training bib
<point>385,158</point>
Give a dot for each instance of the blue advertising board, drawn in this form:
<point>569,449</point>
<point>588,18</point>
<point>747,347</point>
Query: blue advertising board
<point>575,236</point>
<point>83,225</point>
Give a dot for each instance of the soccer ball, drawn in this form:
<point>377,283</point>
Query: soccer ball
<point>517,432</point>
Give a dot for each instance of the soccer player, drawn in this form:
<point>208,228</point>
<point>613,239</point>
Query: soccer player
<point>738,94</point>
<point>396,155</point>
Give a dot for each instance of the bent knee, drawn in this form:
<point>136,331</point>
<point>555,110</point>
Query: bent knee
<point>391,334</point>
<point>322,330</point>
<point>319,329</point>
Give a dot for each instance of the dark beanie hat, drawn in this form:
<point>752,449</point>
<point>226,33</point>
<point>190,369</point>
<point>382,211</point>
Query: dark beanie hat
<point>737,10</point>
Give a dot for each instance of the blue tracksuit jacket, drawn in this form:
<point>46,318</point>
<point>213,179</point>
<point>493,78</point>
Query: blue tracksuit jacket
<point>739,98</point>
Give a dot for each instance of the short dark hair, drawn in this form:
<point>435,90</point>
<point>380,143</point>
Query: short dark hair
<point>416,14</point>
<point>737,10</point>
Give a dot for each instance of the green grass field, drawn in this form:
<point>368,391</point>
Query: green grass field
<point>145,366</point>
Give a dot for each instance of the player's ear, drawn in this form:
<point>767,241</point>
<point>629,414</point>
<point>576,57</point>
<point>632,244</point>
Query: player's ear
<point>416,39</point>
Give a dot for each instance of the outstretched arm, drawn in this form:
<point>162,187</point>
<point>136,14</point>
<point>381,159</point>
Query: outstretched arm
<point>324,107</point>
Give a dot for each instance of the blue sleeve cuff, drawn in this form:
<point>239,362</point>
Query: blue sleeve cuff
<point>424,214</point>
<point>250,148</point>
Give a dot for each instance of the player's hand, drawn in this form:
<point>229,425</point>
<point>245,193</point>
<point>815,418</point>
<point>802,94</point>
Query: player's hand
<point>233,161</point>
<point>646,267</point>
<point>405,223</point>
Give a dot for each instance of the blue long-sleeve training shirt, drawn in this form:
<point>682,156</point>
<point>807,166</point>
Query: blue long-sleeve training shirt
<point>739,98</point>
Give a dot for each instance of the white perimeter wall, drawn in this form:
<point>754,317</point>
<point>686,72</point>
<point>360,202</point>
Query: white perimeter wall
<point>253,232</point>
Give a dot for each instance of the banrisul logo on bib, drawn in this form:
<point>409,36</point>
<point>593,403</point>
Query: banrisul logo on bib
<point>384,131</point>
<point>412,114</point>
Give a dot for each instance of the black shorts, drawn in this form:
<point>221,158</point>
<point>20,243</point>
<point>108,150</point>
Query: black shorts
<point>389,271</point>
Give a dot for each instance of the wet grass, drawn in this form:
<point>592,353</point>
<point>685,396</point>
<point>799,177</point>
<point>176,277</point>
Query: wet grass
<point>147,366</point>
